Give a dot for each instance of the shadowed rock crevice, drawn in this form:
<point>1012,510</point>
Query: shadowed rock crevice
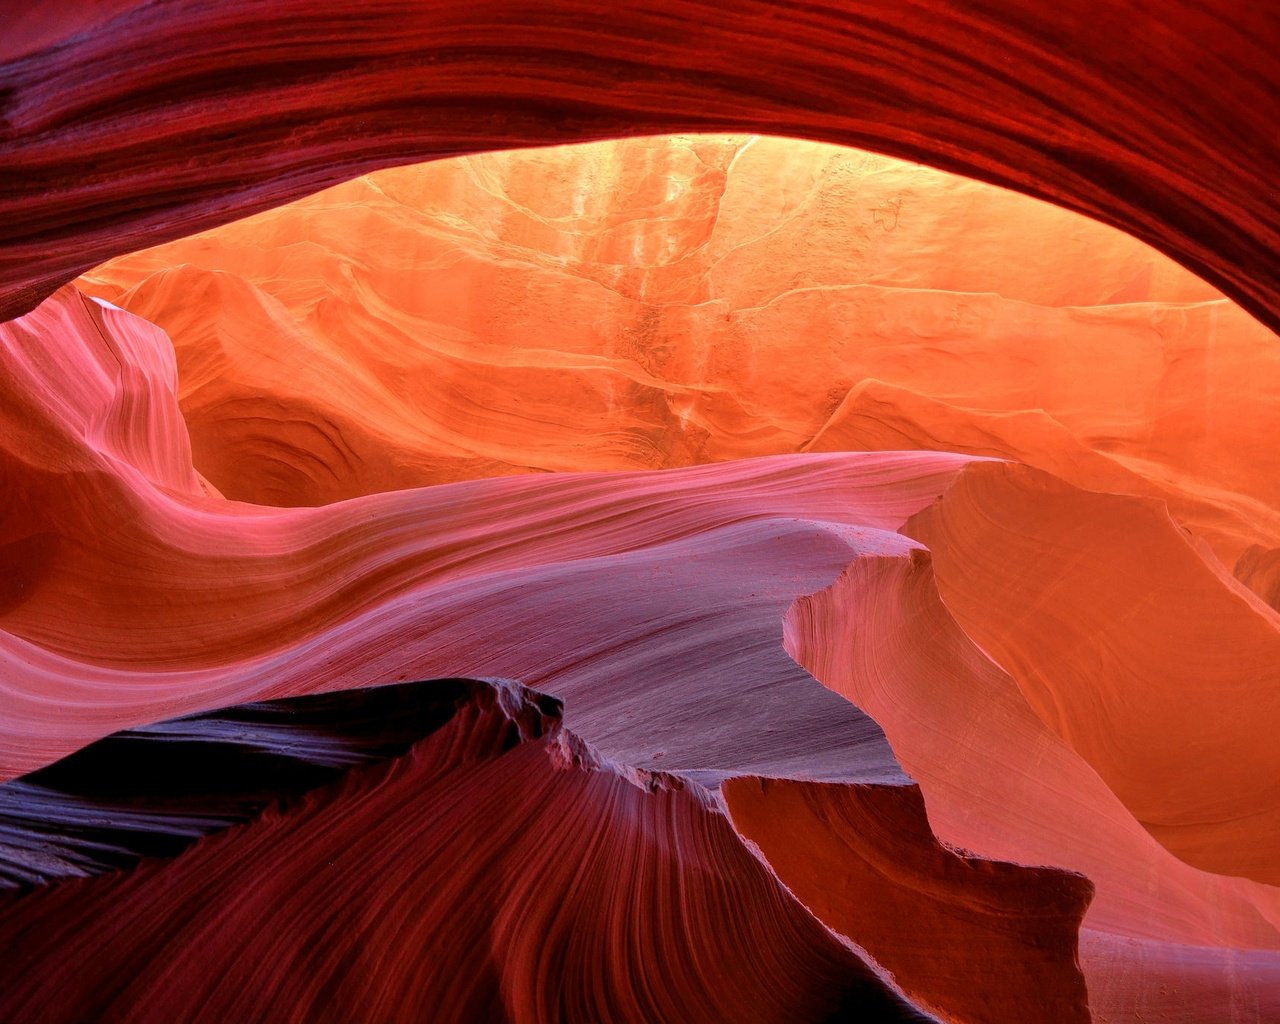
<point>153,809</point>
<point>154,790</point>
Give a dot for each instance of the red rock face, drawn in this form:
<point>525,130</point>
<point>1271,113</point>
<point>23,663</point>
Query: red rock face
<point>1153,120</point>
<point>684,578</point>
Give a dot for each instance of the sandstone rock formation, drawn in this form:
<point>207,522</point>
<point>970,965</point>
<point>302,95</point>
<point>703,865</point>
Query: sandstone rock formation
<point>692,578</point>
<point>658,303</point>
<point>649,603</point>
<point>1150,119</point>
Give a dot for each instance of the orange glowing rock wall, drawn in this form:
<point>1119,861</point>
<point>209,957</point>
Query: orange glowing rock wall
<point>692,578</point>
<point>668,302</point>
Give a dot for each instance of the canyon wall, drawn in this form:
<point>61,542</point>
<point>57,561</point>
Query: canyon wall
<point>697,577</point>
<point>1154,120</point>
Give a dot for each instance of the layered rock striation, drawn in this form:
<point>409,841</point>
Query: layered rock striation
<point>1152,120</point>
<point>697,578</point>
<point>680,789</point>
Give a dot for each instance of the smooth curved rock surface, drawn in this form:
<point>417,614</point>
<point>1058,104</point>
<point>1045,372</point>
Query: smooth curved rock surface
<point>1132,644</point>
<point>155,790</point>
<point>276,785</point>
<point>677,615</point>
<point>643,304</point>
<point>1156,121</point>
<point>1038,780</point>
<point>865,862</point>
<point>518,879</point>
<point>1258,568</point>
<point>997,781</point>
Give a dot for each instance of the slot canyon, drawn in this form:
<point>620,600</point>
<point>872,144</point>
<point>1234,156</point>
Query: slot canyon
<point>758,512</point>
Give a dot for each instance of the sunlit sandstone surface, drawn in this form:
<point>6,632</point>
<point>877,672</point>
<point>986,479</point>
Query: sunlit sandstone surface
<point>684,578</point>
<point>643,304</point>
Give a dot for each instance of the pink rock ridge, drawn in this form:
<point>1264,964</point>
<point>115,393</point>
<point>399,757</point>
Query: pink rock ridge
<point>652,303</point>
<point>855,636</point>
<point>677,616</point>
<point>650,604</point>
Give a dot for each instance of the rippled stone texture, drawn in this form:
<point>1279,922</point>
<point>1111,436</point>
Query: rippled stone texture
<point>660,608</point>
<point>655,303</point>
<point>649,603</point>
<point>598,895</point>
<point>1156,120</point>
<point>664,792</point>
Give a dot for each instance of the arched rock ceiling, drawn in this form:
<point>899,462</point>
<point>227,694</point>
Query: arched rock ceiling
<point>126,124</point>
